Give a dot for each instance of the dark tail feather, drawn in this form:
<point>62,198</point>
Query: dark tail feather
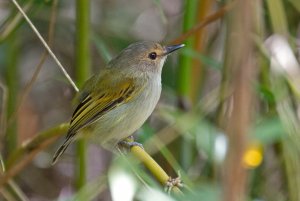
<point>61,150</point>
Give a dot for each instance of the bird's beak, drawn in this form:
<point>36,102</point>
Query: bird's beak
<point>172,48</point>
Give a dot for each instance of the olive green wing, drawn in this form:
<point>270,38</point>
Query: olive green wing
<point>95,103</point>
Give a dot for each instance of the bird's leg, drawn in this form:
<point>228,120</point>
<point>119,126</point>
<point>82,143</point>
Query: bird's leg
<point>128,143</point>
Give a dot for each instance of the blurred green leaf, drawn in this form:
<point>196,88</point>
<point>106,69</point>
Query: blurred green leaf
<point>145,133</point>
<point>269,130</point>
<point>205,134</point>
<point>153,194</point>
<point>102,48</point>
<point>296,4</point>
<point>209,62</point>
<point>89,191</point>
<point>205,192</point>
<point>266,93</point>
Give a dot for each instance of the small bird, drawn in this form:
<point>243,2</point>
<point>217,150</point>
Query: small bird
<point>116,102</point>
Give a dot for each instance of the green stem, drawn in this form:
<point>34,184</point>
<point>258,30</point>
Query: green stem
<point>277,16</point>
<point>153,167</point>
<point>185,66</point>
<point>82,70</point>
<point>82,54</point>
<point>184,77</point>
<point>12,85</point>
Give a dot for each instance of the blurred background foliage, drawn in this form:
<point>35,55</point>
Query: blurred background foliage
<point>227,121</point>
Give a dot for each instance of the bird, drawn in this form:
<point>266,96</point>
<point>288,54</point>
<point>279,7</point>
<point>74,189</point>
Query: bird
<point>116,102</point>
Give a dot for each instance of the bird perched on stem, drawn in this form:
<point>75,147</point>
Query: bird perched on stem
<point>116,102</point>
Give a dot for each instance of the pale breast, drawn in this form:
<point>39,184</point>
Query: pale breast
<point>124,120</point>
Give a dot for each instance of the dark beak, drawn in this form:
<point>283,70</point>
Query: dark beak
<point>172,48</point>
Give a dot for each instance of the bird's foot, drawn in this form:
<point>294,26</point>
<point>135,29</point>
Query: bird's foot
<point>128,143</point>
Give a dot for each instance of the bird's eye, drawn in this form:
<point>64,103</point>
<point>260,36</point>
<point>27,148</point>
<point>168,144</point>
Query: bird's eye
<point>152,55</point>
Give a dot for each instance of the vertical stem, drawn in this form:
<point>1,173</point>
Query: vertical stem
<point>12,85</point>
<point>82,41</point>
<point>82,71</point>
<point>277,16</point>
<point>195,73</point>
<point>184,78</point>
<point>240,70</point>
<point>184,71</point>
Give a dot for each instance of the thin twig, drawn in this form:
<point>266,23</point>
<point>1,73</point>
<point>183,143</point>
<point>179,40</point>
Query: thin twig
<point>209,19</point>
<point>17,190</point>
<point>46,46</point>
<point>7,195</point>
<point>39,65</point>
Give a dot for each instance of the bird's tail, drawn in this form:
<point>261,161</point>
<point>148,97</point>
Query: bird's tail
<point>61,150</point>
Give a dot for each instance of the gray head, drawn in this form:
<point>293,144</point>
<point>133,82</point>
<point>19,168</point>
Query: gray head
<point>144,56</point>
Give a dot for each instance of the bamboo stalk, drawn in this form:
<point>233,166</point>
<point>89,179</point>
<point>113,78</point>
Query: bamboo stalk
<point>154,168</point>
<point>184,79</point>
<point>82,71</point>
<point>184,70</point>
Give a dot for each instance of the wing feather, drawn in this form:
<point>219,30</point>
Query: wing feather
<point>96,105</point>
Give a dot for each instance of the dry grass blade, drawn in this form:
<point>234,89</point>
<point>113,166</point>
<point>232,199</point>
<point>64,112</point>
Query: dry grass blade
<point>39,66</point>
<point>46,46</point>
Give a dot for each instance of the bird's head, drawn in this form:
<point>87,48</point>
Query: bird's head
<point>145,56</point>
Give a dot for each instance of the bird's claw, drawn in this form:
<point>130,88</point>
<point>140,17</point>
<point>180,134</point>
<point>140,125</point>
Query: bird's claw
<point>129,143</point>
